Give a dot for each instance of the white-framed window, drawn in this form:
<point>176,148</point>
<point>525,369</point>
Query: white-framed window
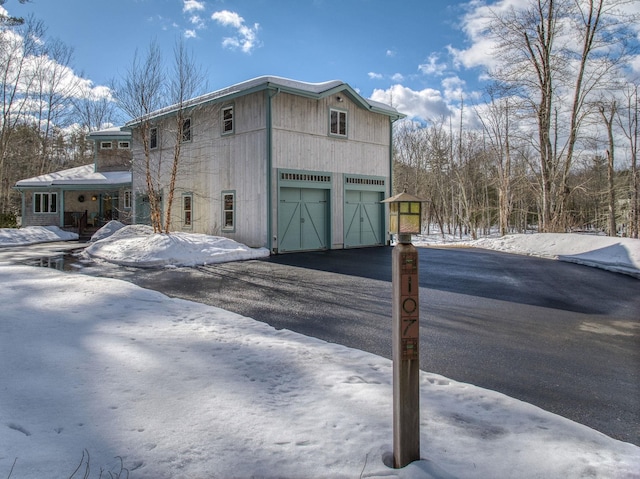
<point>153,138</point>
<point>186,130</point>
<point>45,202</point>
<point>227,120</point>
<point>338,122</point>
<point>106,145</point>
<point>124,145</point>
<point>126,202</point>
<point>187,210</point>
<point>228,211</point>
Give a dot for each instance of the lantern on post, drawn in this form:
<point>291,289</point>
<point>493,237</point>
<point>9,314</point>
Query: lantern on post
<point>405,219</point>
<point>405,216</point>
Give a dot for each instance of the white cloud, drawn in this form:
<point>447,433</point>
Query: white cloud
<point>246,38</point>
<point>190,34</point>
<point>425,104</point>
<point>453,88</point>
<point>432,66</point>
<point>375,76</point>
<point>192,6</point>
<point>391,53</point>
<point>397,77</point>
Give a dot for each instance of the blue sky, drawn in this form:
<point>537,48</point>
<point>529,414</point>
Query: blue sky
<point>370,44</point>
<point>422,56</point>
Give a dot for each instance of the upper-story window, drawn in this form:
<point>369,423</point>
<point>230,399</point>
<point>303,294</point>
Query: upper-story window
<point>106,145</point>
<point>338,122</point>
<point>153,138</point>
<point>186,129</point>
<point>126,203</point>
<point>227,120</point>
<point>125,145</point>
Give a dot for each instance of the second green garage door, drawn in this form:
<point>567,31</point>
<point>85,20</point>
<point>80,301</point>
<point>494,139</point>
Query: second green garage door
<point>363,218</point>
<point>302,219</point>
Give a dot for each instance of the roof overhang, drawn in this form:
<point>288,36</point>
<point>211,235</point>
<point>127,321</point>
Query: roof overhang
<point>278,85</point>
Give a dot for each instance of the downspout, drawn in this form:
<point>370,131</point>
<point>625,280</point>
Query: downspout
<point>270,94</point>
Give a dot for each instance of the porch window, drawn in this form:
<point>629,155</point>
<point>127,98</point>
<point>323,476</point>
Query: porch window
<point>187,210</point>
<point>106,145</point>
<point>153,138</point>
<point>186,130</point>
<point>124,145</point>
<point>338,122</point>
<point>45,202</point>
<point>126,202</point>
<point>227,120</point>
<point>228,211</point>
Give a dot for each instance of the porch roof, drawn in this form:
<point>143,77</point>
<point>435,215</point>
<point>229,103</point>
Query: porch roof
<point>79,176</point>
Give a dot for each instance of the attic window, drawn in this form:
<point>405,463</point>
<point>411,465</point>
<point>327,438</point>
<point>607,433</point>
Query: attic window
<point>106,145</point>
<point>338,122</point>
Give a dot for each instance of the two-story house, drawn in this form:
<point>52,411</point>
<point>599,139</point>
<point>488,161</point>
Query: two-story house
<point>85,197</point>
<point>273,162</point>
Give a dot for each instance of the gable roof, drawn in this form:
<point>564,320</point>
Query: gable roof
<point>279,84</point>
<point>79,176</point>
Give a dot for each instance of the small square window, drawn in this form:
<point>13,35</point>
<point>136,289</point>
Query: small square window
<point>106,145</point>
<point>338,123</point>
<point>227,120</point>
<point>186,129</point>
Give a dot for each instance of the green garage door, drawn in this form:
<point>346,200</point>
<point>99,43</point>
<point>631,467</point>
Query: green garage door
<point>302,219</point>
<point>363,214</point>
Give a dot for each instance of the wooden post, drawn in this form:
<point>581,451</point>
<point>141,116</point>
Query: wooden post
<point>406,363</point>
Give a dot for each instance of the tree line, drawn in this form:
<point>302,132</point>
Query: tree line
<point>47,109</point>
<point>543,150</point>
<point>552,146</point>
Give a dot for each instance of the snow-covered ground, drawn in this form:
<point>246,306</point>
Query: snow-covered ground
<point>104,372</point>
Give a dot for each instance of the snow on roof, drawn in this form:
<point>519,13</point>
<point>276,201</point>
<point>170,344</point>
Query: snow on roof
<point>285,84</point>
<point>116,131</point>
<point>81,175</point>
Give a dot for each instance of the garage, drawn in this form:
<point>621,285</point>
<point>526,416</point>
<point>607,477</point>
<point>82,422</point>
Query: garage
<point>303,219</point>
<point>363,212</point>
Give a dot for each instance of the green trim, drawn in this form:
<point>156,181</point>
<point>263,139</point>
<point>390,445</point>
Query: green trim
<point>269,145</point>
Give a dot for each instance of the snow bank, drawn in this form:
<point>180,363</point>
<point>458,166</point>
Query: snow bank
<point>621,255</point>
<point>34,234</point>
<point>137,245</point>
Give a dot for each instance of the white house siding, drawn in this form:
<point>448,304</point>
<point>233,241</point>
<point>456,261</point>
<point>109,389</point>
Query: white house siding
<point>212,163</point>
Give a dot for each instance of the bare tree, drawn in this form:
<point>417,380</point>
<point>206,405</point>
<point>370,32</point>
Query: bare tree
<point>185,83</point>
<point>496,123</point>
<point>557,53</point>
<point>139,94</point>
<point>608,112</point>
<point>18,47</point>
<point>628,122</point>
